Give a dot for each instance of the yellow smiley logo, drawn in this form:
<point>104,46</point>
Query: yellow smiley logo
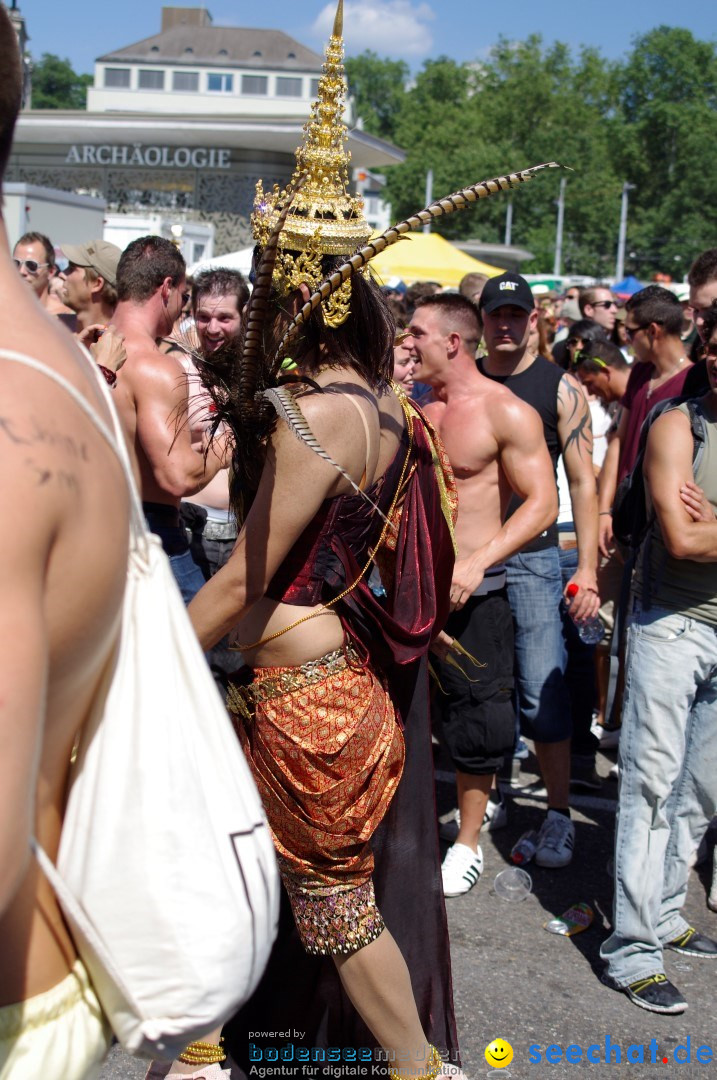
<point>499,1053</point>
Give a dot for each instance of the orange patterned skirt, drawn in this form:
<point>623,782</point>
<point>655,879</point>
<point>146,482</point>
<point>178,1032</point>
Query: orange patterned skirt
<point>327,754</point>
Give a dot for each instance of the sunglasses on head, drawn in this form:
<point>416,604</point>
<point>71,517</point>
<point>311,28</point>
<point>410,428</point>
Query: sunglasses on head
<point>30,265</point>
<point>582,358</point>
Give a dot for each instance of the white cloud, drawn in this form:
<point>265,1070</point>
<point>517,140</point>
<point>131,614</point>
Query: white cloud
<point>389,27</point>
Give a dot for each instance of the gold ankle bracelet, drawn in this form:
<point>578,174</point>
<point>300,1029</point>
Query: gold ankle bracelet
<point>434,1067</point>
<point>203,1053</point>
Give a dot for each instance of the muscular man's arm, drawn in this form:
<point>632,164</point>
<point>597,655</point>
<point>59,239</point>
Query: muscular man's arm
<point>525,461</point>
<point>161,394</point>
<point>668,468</point>
<point>576,439</point>
<point>24,552</point>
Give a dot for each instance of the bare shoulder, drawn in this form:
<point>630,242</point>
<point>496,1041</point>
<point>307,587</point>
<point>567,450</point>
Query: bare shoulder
<point>147,367</point>
<point>671,427</point>
<point>571,396</point>
<point>509,415</point>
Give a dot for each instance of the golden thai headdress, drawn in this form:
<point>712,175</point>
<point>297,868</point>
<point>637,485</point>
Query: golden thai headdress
<point>313,216</point>
<point>324,218</point>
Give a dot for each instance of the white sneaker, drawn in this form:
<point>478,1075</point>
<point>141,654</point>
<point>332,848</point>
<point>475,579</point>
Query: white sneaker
<point>496,816</point>
<point>609,738</point>
<point>556,840</point>
<point>461,869</point>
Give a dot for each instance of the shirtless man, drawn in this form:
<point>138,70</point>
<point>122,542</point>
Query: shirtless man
<point>34,257</point>
<point>62,579</point>
<point>152,395</point>
<point>496,447</point>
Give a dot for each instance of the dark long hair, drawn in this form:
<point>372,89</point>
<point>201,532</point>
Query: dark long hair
<point>364,341</point>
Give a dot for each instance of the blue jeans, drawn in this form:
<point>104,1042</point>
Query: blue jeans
<point>580,671</point>
<point>535,593</point>
<point>187,575</point>
<point>668,784</point>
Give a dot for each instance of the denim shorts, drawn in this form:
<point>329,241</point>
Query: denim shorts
<point>535,592</point>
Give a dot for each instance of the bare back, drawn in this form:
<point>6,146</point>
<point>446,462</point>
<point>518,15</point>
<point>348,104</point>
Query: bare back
<point>284,503</point>
<point>63,567</point>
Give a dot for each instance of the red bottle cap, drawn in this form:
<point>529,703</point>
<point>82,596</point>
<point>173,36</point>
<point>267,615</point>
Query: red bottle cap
<point>573,590</point>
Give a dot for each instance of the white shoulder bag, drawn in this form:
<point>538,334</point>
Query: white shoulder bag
<point>166,870</point>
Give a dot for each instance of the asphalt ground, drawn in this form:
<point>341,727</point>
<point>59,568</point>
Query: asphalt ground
<point>516,982</point>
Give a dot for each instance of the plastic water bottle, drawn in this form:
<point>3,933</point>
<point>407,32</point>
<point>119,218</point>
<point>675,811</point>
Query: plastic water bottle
<point>524,850</point>
<point>591,631</point>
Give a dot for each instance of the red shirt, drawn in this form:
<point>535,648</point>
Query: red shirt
<point>636,400</point>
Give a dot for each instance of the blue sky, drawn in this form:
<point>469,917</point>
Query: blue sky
<point>413,30</point>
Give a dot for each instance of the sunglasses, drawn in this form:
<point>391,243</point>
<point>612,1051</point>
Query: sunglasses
<point>630,331</point>
<point>30,265</point>
<point>605,303</point>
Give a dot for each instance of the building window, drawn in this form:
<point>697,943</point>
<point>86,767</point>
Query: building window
<point>220,84</point>
<point>314,88</point>
<point>186,81</point>
<point>286,87</point>
<point>151,79</point>
<point>254,84</point>
<point>118,77</point>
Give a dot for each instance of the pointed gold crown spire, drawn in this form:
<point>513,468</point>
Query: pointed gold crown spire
<point>324,219</point>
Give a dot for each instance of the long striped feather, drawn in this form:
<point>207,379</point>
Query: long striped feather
<point>249,364</point>
<point>287,409</point>
<point>458,201</point>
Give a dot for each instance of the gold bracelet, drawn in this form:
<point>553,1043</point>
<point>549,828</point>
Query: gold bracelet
<point>203,1053</point>
<point>434,1067</point>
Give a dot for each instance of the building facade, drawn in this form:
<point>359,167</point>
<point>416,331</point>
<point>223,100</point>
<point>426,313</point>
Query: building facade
<point>184,123</point>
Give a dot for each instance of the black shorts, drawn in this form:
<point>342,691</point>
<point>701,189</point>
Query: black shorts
<point>476,714</point>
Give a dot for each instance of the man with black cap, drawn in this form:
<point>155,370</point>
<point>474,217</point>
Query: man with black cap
<point>534,575</point>
<point>90,282</point>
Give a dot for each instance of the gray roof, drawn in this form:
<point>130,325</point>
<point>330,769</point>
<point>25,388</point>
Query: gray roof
<point>192,45</point>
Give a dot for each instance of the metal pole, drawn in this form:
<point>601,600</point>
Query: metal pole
<point>558,263</point>
<point>429,197</point>
<point>508,221</point>
<point>622,236</point>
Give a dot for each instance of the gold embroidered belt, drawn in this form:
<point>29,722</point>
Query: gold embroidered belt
<point>284,680</point>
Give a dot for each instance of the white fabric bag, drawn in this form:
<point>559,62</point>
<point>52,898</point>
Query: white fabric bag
<point>166,869</point>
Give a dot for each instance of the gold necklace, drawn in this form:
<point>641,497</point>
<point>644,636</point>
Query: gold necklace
<point>666,375</point>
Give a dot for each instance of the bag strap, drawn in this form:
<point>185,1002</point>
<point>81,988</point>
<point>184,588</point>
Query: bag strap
<point>75,912</point>
<point>116,439</point>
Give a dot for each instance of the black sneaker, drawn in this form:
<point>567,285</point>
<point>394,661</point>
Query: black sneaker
<point>693,943</point>
<point>656,994</point>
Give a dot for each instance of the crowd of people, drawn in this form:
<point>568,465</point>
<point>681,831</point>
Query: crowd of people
<point>432,474</point>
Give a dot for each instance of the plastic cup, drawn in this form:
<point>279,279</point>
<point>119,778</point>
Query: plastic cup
<point>513,884</point>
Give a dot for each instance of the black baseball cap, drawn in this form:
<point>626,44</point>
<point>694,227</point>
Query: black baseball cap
<point>506,289</point>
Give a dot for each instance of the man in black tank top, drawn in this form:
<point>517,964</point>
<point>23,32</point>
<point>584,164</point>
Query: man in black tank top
<point>534,578</point>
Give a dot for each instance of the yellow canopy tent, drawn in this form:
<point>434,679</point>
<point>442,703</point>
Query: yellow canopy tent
<point>420,256</point>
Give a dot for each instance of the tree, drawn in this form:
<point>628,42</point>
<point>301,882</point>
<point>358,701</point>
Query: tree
<point>55,85</point>
<point>667,148</point>
<point>378,87</point>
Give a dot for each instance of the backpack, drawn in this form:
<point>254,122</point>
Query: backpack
<point>630,518</point>
<point>166,870</point>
